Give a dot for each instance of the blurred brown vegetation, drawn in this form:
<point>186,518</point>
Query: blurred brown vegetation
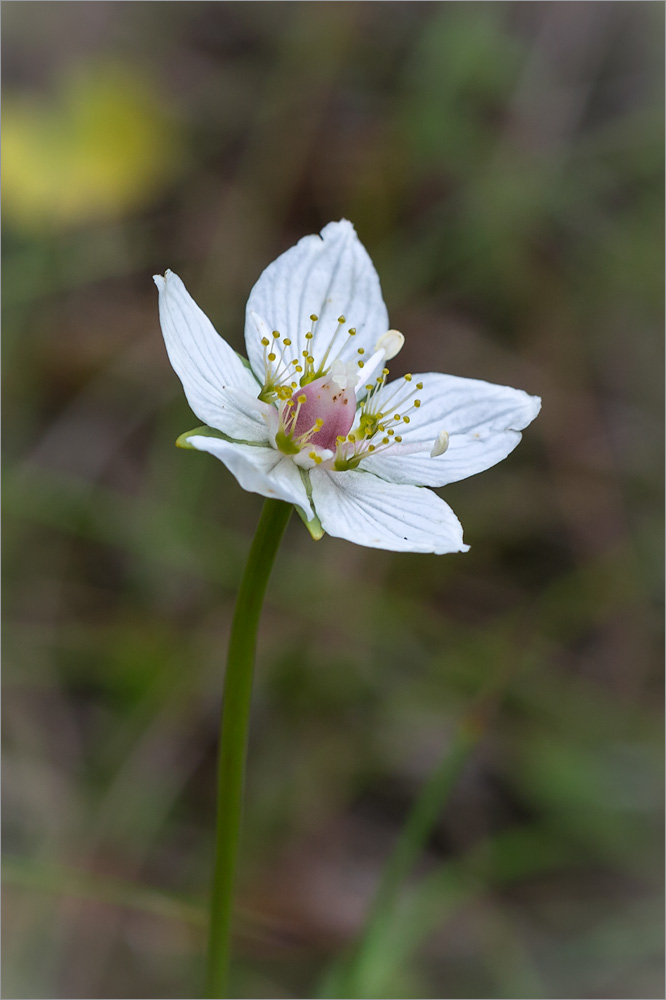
<point>503,164</point>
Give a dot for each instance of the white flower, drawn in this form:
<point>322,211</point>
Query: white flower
<point>313,420</point>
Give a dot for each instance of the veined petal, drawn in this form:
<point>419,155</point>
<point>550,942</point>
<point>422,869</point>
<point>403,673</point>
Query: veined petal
<point>369,511</point>
<point>258,469</point>
<point>328,276</point>
<point>482,420</point>
<point>219,388</point>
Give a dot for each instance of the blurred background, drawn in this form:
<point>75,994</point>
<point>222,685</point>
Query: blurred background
<point>503,165</point>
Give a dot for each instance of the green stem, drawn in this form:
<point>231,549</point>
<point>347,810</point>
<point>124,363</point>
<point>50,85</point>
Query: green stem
<point>233,737</point>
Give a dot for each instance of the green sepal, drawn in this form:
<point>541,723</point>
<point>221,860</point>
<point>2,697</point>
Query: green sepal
<point>246,363</point>
<point>313,526</point>
<point>210,432</point>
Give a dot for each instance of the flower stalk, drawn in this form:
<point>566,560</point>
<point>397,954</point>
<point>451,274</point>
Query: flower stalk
<point>233,737</point>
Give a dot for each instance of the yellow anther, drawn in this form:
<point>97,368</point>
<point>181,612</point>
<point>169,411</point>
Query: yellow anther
<point>271,357</point>
<point>419,385</point>
<point>386,440</point>
<point>369,387</point>
<point>341,319</point>
<point>352,331</point>
<point>309,335</point>
<point>390,432</point>
<point>310,359</point>
<point>406,419</point>
<point>351,437</point>
<point>286,342</point>
<point>408,378</point>
<point>294,385</point>
<point>396,416</point>
<point>417,403</point>
<point>302,398</point>
<point>299,368</point>
<point>385,371</point>
<point>360,350</point>
<point>398,438</point>
<point>265,341</point>
<point>341,438</point>
<point>276,334</point>
<point>371,447</point>
<point>361,364</point>
<point>314,317</point>
<point>319,423</point>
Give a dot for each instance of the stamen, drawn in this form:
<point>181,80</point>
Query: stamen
<point>440,445</point>
<point>322,366</point>
<point>390,343</point>
<point>276,368</point>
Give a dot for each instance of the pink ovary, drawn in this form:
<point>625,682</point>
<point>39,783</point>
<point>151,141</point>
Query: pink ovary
<point>326,401</point>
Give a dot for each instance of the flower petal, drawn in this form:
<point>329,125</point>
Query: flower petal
<point>366,510</point>
<point>219,388</point>
<point>258,469</point>
<point>482,420</point>
<point>328,276</point>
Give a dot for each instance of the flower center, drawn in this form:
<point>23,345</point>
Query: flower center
<point>317,405</point>
<point>318,414</point>
<point>330,405</point>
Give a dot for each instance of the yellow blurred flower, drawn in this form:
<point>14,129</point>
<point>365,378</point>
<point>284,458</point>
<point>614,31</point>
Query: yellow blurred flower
<point>100,146</point>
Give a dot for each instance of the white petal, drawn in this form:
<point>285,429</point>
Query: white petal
<point>482,420</point>
<point>219,388</point>
<point>258,469</point>
<point>328,276</point>
<point>366,510</point>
